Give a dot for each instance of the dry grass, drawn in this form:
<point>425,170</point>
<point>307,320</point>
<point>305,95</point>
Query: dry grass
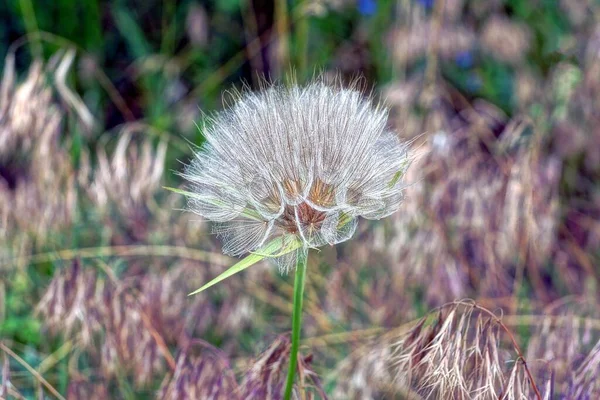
<point>501,209</point>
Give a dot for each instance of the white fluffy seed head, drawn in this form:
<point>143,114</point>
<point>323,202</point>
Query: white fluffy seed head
<point>296,162</point>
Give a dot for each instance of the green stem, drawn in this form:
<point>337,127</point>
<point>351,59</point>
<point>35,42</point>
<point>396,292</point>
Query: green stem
<point>296,319</point>
<point>302,46</point>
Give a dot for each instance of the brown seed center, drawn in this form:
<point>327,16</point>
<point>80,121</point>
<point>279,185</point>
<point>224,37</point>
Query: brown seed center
<point>307,216</point>
<point>320,193</point>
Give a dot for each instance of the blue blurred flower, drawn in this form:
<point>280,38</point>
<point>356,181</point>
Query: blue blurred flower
<point>464,59</point>
<point>367,7</point>
<point>427,4</point>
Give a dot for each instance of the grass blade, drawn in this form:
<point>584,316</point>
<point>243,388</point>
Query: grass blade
<point>275,248</point>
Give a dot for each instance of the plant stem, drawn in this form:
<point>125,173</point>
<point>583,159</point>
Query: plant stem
<point>282,27</point>
<point>302,46</point>
<point>296,319</point>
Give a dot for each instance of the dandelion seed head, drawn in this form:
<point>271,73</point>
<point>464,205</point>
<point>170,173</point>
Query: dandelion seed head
<point>302,163</point>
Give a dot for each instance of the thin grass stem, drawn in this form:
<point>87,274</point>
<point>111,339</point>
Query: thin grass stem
<point>296,319</point>
<point>302,44</point>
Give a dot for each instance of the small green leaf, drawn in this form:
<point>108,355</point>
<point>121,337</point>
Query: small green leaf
<point>184,192</point>
<point>180,191</point>
<point>238,267</point>
<point>248,213</point>
<point>275,248</point>
<point>395,179</point>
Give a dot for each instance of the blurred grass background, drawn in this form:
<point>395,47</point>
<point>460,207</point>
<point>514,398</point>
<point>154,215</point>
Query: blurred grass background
<point>99,104</point>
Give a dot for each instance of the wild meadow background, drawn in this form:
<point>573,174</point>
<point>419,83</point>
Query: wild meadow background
<point>485,285</point>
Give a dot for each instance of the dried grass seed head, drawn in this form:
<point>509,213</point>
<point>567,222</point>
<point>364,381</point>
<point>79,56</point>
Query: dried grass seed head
<point>296,162</point>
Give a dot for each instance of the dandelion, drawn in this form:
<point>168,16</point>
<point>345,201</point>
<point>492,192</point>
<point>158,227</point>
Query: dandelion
<point>297,163</point>
<point>292,168</point>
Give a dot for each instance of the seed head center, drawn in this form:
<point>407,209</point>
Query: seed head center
<point>306,215</point>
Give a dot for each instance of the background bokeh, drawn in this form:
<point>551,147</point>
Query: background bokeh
<point>101,103</point>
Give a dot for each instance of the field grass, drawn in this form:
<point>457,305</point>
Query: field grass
<point>484,285</point>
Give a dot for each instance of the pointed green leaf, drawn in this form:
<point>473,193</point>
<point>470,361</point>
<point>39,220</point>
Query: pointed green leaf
<point>240,266</point>
<point>248,213</point>
<point>275,248</point>
<point>395,179</point>
<point>179,191</point>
